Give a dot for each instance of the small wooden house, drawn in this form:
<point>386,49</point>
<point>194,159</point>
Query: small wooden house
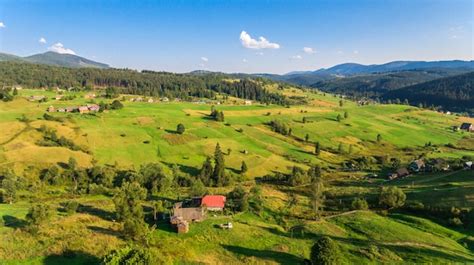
<point>83,109</point>
<point>467,127</point>
<point>51,109</point>
<point>182,227</point>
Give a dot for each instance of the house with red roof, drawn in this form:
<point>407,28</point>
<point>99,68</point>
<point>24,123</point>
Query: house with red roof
<point>213,202</point>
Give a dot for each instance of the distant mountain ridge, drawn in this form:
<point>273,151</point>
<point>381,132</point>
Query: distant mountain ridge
<point>55,59</point>
<point>355,68</point>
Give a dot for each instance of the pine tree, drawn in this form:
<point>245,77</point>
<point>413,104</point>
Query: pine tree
<point>306,138</point>
<point>218,175</point>
<point>243,168</point>
<point>206,172</point>
<point>340,149</point>
<point>317,149</point>
<point>339,117</point>
<point>379,137</point>
<point>180,128</point>
<point>346,114</point>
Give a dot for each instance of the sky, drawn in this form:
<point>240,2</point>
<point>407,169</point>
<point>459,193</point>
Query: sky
<point>250,36</point>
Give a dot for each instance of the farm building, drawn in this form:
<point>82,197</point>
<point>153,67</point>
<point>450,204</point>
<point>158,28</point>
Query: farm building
<point>417,165</point>
<point>194,210</point>
<point>248,102</point>
<point>51,109</point>
<point>83,109</point>
<point>213,202</point>
<point>467,127</point>
<point>189,210</point>
<point>400,173</point>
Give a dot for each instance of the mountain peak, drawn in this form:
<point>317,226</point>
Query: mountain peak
<point>55,59</point>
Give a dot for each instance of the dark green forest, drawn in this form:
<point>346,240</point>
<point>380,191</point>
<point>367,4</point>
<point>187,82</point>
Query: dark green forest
<point>147,83</point>
<point>454,93</point>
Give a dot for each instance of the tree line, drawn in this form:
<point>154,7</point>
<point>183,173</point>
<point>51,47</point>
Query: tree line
<point>147,83</point>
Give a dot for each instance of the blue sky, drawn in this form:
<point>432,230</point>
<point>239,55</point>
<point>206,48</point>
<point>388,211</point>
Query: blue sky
<point>182,36</point>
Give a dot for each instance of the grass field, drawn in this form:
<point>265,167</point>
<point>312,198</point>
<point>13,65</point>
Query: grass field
<point>145,132</point>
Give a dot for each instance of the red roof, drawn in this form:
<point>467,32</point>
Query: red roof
<point>213,201</point>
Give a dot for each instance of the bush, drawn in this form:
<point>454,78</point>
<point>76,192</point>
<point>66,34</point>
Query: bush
<point>392,197</point>
<point>38,214</point>
<point>324,251</point>
<point>128,256</point>
<point>180,128</point>
<point>359,204</point>
<point>71,207</point>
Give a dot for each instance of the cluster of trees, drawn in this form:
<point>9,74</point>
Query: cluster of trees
<point>5,95</point>
<point>214,176</point>
<point>280,127</point>
<point>217,115</point>
<point>297,177</point>
<point>115,105</point>
<point>50,138</point>
<point>148,83</point>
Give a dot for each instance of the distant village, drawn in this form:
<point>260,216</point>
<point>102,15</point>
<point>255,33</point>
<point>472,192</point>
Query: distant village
<point>420,166</point>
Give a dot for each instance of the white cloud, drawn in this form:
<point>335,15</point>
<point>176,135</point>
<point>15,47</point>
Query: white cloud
<point>259,53</point>
<point>309,50</point>
<point>244,60</point>
<point>356,52</point>
<point>204,59</point>
<point>59,48</point>
<point>262,43</point>
<point>340,52</point>
<point>296,57</point>
<point>2,25</point>
<point>42,40</point>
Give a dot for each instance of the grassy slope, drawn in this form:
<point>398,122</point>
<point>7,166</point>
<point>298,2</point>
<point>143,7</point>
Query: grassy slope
<point>364,236</point>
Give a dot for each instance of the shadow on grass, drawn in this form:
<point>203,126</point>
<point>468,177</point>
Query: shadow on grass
<point>193,171</point>
<point>279,257</point>
<point>104,231</point>
<point>164,225</point>
<point>106,215</point>
<point>71,257</point>
<point>14,222</point>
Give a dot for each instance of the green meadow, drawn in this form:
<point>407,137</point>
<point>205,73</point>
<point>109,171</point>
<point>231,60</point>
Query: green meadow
<point>145,132</point>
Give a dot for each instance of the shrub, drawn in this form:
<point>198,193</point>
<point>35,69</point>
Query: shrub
<point>180,128</point>
<point>392,197</point>
<point>71,207</point>
<point>359,204</point>
<point>38,214</point>
<point>324,251</point>
<point>127,256</point>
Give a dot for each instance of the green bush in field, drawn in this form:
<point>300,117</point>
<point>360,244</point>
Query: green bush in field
<point>359,204</point>
<point>71,207</point>
<point>324,252</point>
<point>392,197</point>
<point>128,256</point>
<point>38,214</point>
<point>180,128</point>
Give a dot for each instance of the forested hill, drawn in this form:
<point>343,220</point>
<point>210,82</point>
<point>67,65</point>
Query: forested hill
<point>454,93</point>
<point>374,85</point>
<point>148,83</point>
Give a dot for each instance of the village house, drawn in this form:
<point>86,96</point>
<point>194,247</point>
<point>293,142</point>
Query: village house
<point>51,109</point>
<point>150,100</point>
<point>165,99</point>
<point>58,97</point>
<point>467,127</point>
<point>248,102</point>
<point>213,202</point>
<point>93,107</point>
<point>83,109</point>
<point>194,210</point>
<point>417,165</point>
<point>400,173</point>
